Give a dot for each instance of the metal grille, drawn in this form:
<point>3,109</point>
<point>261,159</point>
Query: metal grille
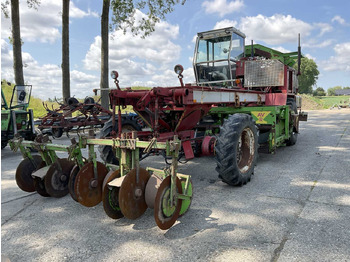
<point>260,73</point>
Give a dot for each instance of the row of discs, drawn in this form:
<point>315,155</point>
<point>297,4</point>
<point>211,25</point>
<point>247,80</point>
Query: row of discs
<point>139,191</point>
<point>34,175</point>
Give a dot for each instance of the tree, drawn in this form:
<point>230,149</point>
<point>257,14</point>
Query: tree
<point>16,35</point>
<point>104,53</point>
<point>309,75</point>
<point>331,91</point>
<point>123,18</point>
<point>319,92</point>
<point>65,51</point>
<point>124,10</point>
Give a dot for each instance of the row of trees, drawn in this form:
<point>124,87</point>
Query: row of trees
<point>330,91</point>
<point>122,18</point>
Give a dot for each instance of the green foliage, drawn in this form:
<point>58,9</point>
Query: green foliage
<point>319,92</point>
<point>124,10</point>
<point>331,90</point>
<point>309,75</point>
<point>5,4</point>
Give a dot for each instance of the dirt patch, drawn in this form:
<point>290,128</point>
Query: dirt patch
<point>310,104</point>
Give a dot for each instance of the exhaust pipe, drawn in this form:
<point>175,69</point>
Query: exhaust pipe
<point>299,56</point>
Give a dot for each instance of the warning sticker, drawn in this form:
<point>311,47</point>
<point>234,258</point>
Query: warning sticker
<point>260,116</point>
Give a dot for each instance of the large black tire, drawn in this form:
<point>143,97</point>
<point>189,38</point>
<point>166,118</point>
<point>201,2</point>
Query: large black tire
<point>89,100</point>
<point>237,149</point>
<point>72,102</point>
<point>106,152</point>
<point>294,135</point>
<point>56,132</point>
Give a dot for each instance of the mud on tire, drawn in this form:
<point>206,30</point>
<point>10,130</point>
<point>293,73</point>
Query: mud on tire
<point>237,149</point>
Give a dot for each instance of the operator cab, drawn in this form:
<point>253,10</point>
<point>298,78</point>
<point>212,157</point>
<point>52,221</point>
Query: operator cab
<point>215,57</point>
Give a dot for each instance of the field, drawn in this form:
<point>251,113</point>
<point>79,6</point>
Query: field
<point>323,102</point>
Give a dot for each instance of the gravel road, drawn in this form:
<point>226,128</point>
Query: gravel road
<point>296,208</point>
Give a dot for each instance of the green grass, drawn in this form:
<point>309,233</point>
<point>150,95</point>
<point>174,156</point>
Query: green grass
<point>329,101</point>
<point>37,104</point>
<point>34,103</point>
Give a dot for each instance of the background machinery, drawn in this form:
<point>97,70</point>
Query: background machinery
<point>244,98</point>
<point>15,117</point>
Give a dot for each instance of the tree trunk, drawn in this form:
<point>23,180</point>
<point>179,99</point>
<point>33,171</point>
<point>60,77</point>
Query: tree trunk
<point>104,54</point>
<point>17,45</point>
<point>65,51</point>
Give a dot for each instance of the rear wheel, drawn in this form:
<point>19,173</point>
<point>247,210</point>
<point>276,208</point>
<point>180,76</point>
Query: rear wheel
<point>106,152</point>
<point>237,149</point>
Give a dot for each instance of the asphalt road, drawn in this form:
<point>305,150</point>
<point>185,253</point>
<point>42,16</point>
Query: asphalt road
<point>296,208</point>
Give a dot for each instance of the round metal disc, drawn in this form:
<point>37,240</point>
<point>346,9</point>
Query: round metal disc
<point>71,182</point>
<point>87,189</point>
<point>152,189</point>
<point>40,187</point>
<point>110,196</point>
<point>132,194</point>
<point>186,203</point>
<point>24,172</point>
<point>164,215</point>
<point>57,177</point>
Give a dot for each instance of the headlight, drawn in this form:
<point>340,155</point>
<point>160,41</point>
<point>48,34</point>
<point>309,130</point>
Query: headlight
<point>178,69</point>
<point>23,123</point>
<point>114,74</point>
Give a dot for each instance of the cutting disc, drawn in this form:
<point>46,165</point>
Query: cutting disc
<point>40,187</point>
<point>87,189</point>
<point>57,177</point>
<point>24,172</point>
<point>132,194</point>
<point>110,196</point>
<point>164,214</point>
<point>71,182</point>
<point>152,189</point>
<point>186,203</point>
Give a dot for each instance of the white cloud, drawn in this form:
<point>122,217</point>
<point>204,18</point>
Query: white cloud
<point>42,25</point>
<point>222,7</point>
<point>46,79</point>
<point>281,49</point>
<point>318,44</point>
<point>310,57</point>
<point>276,29</point>
<point>168,78</point>
<point>324,28</point>
<point>341,60</point>
<point>339,19</point>
<point>225,23</point>
<point>138,59</point>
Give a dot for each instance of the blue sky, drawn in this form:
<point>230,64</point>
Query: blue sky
<point>324,26</point>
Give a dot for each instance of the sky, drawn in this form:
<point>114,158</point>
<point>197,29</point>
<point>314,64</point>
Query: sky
<point>324,27</point>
